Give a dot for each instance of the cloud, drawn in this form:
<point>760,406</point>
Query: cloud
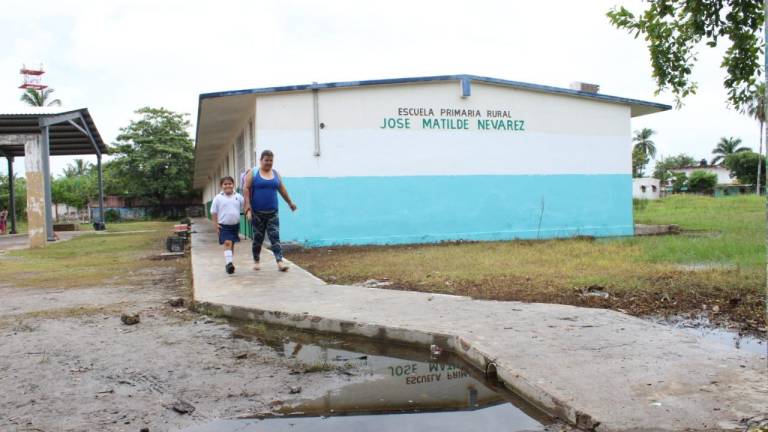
<point>117,56</point>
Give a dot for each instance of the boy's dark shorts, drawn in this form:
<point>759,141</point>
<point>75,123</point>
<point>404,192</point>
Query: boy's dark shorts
<point>229,232</point>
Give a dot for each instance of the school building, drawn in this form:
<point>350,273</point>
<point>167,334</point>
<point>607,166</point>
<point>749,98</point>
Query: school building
<point>429,159</point>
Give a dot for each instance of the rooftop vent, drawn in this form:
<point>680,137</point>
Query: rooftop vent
<point>585,87</point>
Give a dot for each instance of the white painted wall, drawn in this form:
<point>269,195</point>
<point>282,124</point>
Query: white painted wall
<point>723,174</point>
<point>564,135</point>
<point>646,188</point>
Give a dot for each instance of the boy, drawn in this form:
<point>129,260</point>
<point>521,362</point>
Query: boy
<point>226,209</point>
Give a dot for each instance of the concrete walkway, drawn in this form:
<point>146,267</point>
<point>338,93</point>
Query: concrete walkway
<point>595,368</point>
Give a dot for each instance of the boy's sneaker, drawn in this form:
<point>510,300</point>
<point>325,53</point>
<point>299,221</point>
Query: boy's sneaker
<point>230,268</point>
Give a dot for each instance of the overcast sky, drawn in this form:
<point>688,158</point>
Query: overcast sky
<point>116,56</point>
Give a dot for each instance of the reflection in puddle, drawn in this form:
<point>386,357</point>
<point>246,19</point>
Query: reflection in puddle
<point>404,390</point>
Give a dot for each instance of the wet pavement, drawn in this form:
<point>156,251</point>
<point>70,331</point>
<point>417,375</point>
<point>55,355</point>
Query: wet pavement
<point>404,389</point>
<point>594,368</point>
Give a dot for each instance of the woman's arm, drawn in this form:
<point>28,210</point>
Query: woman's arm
<point>284,193</point>
<point>247,194</point>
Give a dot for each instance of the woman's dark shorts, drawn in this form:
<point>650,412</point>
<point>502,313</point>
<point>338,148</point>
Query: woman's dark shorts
<point>229,232</point>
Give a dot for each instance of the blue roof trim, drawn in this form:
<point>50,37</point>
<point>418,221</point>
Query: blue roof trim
<point>465,80</point>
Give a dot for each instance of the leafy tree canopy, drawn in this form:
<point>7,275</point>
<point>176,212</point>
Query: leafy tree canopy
<point>661,171</point>
<point>702,182</point>
<point>39,98</point>
<point>674,29</point>
<point>743,166</point>
<point>154,157</point>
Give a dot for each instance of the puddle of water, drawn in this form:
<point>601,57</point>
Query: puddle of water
<point>397,388</point>
<point>731,339</point>
<point>703,329</point>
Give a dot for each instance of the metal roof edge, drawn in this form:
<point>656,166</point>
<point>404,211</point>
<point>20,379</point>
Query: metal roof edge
<point>458,77</point>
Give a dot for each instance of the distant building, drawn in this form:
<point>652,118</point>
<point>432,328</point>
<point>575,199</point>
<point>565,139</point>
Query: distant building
<point>723,174</point>
<point>646,188</point>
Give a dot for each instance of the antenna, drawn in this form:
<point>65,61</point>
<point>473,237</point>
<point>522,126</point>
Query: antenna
<point>32,78</point>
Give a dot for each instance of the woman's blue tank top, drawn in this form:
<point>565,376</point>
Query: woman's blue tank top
<point>264,192</point>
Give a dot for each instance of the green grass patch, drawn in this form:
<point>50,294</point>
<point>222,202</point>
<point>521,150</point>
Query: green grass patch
<point>87,260</point>
<point>729,230</point>
<point>642,274</point>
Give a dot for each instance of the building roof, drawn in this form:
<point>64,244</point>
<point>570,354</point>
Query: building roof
<point>219,113</point>
<point>701,167</point>
<point>68,130</point>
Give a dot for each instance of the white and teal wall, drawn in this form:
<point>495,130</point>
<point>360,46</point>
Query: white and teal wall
<point>430,159</point>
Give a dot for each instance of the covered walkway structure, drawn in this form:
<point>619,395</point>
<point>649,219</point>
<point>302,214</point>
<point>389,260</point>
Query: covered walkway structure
<point>36,134</point>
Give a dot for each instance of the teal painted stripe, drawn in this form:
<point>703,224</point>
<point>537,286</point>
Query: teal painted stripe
<point>424,209</point>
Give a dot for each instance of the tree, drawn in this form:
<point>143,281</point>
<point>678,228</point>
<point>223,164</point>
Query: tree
<point>77,168</point>
<point>756,109</point>
<point>726,147</point>
<point>643,143</point>
<point>702,182</point>
<point>639,161</point>
<point>39,98</point>
<point>679,182</point>
<point>154,156</point>
<point>674,28</point>
<point>743,166</point>
<point>20,195</point>
<point>663,167</point>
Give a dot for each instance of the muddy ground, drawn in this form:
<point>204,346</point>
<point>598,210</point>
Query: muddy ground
<point>68,363</point>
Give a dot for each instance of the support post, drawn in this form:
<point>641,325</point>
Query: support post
<point>46,155</point>
<point>33,162</point>
<point>11,195</point>
<point>101,192</point>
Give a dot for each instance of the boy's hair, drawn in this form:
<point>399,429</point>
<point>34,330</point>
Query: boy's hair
<point>223,179</point>
<point>266,153</point>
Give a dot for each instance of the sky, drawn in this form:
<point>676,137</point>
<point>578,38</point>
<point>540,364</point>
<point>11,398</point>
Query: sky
<point>114,57</point>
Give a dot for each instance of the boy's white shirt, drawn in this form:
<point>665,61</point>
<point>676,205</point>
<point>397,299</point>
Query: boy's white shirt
<point>228,208</point>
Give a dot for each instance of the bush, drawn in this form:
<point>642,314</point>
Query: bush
<point>111,215</point>
<point>702,182</point>
<point>679,182</point>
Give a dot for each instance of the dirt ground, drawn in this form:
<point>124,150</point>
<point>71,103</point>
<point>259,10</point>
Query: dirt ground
<point>68,363</point>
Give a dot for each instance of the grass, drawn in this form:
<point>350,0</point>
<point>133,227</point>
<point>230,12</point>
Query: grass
<point>87,260</point>
<point>643,275</point>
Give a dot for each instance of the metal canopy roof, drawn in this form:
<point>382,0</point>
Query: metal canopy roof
<point>65,137</point>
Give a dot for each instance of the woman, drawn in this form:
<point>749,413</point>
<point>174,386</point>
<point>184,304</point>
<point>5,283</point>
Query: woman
<point>261,188</point>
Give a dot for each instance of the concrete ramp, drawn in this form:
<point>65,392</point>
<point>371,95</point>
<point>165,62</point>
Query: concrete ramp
<point>597,369</point>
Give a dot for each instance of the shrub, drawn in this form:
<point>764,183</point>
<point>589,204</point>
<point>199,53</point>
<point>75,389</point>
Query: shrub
<point>111,215</point>
<point>702,182</point>
<point>679,182</point>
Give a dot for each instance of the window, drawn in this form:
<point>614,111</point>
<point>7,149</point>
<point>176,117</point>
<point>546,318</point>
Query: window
<point>642,189</point>
<point>653,188</point>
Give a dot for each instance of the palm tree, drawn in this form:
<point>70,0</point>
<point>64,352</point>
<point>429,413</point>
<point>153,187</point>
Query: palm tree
<point>727,146</point>
<point>78,168</point>
<point>643,143</point>
<point>39,98</point>
<point>756,109</point>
